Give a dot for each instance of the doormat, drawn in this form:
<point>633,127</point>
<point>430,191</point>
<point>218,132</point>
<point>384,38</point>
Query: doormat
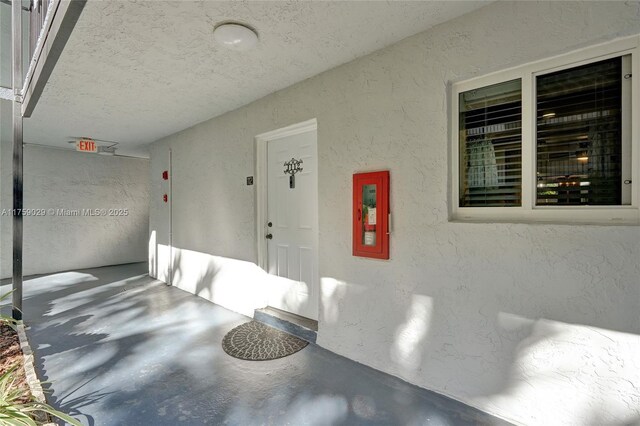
<point>254,341</point>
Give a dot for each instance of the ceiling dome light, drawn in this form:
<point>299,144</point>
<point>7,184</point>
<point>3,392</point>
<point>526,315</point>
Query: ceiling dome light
<point>235,36</point>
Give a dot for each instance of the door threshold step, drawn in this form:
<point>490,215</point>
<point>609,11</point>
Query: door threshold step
<point>304,328</point>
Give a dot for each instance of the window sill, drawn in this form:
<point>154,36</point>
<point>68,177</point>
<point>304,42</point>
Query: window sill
<point>578,215</point>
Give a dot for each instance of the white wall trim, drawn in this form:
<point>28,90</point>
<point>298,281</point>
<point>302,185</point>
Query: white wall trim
<point>261,179</point>
<point>170,194</point>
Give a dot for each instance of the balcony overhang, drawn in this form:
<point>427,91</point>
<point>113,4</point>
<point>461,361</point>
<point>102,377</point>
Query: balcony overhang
<point>60,20</point>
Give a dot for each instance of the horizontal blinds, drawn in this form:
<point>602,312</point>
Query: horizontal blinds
<point>491,146</point>
<point>579,135</point>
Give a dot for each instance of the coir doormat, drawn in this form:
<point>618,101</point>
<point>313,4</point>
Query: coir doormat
<point>255,341</point>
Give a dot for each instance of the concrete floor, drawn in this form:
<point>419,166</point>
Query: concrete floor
<point>120,348</point>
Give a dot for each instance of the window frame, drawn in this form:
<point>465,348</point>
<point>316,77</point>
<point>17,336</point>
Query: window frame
<point>529,211</point>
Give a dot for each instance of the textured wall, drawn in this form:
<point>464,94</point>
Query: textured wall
<point>5,46</point>
<point>171,50</point>
<point>62,179</point>
<point>536,323</point>
<point>6,184</point>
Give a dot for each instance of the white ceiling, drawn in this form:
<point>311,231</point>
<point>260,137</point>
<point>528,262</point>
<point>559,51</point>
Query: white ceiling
<point>136,71</point>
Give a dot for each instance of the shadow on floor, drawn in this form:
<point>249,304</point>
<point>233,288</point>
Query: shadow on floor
<point>120,348</point>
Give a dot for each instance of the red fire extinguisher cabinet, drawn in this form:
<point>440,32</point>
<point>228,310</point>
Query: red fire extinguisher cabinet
<point>371,214</point>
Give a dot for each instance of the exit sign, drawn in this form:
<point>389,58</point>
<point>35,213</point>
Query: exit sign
<point>86,145</point>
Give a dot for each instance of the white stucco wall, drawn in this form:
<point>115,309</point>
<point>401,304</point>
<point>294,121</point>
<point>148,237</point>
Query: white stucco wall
<point>64,179</point>
<point>6,183</point>
<point>536,323</point>
<point>5,129</point>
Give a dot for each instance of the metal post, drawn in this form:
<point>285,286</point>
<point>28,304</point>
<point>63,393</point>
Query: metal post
<point>16,23</point>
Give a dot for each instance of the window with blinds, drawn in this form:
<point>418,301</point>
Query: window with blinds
<point>552,141</point>
<point>490,125</point>
<point>579,135</point>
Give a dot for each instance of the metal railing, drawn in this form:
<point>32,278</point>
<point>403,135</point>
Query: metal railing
<point>34,14</point>
<point>38,12</point>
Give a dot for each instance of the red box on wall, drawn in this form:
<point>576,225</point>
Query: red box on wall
<point>371,214</point>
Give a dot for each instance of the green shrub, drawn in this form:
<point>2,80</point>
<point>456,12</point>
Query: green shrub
<point>5,319</point>
<point>13,412</point>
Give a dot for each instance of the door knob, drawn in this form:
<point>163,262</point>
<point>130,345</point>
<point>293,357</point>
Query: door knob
<point>269,236</point>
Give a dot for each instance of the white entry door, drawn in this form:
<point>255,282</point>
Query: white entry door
<point>292,228</point>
